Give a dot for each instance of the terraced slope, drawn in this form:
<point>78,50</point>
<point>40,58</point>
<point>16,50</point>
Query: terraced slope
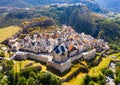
<point>8,32</point>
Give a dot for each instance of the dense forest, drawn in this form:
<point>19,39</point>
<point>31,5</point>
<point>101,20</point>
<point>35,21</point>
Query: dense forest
<point>27,76</point>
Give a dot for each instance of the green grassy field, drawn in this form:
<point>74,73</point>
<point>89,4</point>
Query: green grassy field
<point>8,32</point>
<point>18,65</point>
<point>117,55</point>
<point>78,80</point>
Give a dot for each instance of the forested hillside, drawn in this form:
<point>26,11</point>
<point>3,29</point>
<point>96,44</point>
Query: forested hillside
<point>83,20</point>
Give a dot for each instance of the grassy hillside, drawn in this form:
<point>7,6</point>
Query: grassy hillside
<point>8,32</point>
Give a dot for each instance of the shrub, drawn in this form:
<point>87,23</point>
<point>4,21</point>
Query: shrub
<point>2,54</point>
<point>108,72</point>
<point>31,81</point>
<point>91,83</point>
<point>117,80</point>
<point>87,79</point>
<point>26,72</point>
<point>48,79</point>
<point>7,65</point>
<point>22,81</point>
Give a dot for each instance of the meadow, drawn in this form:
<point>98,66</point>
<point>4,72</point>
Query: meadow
<point>8,32</point>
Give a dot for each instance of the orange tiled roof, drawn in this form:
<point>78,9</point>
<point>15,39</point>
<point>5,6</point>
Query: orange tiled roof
<point>74,36</point>
<point>70,47</point>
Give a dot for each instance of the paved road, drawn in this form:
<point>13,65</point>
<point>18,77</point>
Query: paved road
<point>110,81</point>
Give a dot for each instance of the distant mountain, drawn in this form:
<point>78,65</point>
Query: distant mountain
<point>111,5</point>
<point>14,3</point>
<point>29,3</point>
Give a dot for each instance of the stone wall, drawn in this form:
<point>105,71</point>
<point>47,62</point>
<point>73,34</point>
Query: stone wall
<point>61,67</point>
<point>80,69</point>
<point>37,57</point>
<point>31,56</point>
<point>73,53</point>
<point>85,55</point>
<point>95,63</point>
<point>59,57</point>
<point>20,56</point>
<point>76,57</point>
<point>89,55</point>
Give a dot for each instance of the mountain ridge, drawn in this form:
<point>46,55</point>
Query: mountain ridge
<point>109,5</point>
<point>31,3</point>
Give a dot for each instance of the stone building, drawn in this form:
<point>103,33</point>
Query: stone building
<point>60,63</point>
<point>60,53</point>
